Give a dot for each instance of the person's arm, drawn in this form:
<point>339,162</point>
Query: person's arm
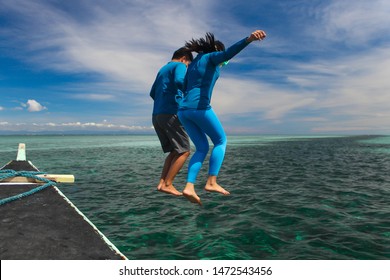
<point>220,57</point>
<point>180,73</point>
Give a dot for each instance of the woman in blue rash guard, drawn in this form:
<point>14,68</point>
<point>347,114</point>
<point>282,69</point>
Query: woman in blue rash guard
<point>196,113</point>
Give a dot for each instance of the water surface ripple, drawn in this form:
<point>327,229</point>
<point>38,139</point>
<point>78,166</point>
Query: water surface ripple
<point>291,197</point>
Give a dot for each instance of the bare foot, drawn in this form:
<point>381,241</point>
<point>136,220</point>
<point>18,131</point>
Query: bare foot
<point>170,189</point>
<point>190,194</point>
<point>160,184</point>
<point>216,188</point>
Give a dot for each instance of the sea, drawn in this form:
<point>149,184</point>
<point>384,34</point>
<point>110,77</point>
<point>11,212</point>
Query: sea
<point>292,197</point>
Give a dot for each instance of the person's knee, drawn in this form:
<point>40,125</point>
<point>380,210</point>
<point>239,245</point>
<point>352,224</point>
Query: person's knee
<point>224,141</point>
<point>202,150</point>
<point>221,141</point>
<point>202,147</point>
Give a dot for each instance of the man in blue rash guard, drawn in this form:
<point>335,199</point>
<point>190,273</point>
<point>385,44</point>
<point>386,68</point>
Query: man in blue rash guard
<point>173,138</point>
<point>196,113</point>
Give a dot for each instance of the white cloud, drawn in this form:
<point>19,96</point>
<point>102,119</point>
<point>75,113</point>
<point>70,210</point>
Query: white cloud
<point>355,22</point>
<point>357,84</point>
<point>76,126</point>
<point>242,96</point>
<point>34,106</point>
<point>350,93</point>
<point>126,42</point>
<point>100,125</point>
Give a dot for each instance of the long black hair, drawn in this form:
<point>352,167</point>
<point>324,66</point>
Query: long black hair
<point>207,44</point>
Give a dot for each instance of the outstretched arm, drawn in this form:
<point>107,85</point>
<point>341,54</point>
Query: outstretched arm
<point>229,53</point>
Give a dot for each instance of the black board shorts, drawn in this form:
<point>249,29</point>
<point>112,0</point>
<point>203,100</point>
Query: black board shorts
<point>171,133</point>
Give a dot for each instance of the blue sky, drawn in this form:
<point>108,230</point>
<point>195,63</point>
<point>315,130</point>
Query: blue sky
<point>88,65</point>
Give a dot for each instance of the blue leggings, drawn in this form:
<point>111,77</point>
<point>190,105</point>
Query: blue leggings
<point>198,124</point>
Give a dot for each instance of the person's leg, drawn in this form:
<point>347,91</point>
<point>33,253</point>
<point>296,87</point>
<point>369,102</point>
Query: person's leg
<point>173,167</point>
<point>167,164</point>
<point>213,128</point>
<point>176,165</point>
<point>158,124</point>
<point>179,143</point>
<point>200,141</point>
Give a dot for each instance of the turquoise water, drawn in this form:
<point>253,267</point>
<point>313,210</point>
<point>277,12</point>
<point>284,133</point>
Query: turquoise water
<point>291,197</point>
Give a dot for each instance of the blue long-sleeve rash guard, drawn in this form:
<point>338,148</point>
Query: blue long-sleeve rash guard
<point>202,74</point>
<point>169,82</point>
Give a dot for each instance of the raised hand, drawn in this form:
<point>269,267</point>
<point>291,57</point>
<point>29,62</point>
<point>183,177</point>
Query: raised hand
<point>257,35</point>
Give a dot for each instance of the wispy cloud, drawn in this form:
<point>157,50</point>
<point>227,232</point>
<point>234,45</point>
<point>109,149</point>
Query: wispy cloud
<point>123,41</point>
<point>346,82</point>
<point>73,126</point>
<point>242,96</point>
<point>324,65</point>
<point>354,23</point>
<point>93,97</point>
